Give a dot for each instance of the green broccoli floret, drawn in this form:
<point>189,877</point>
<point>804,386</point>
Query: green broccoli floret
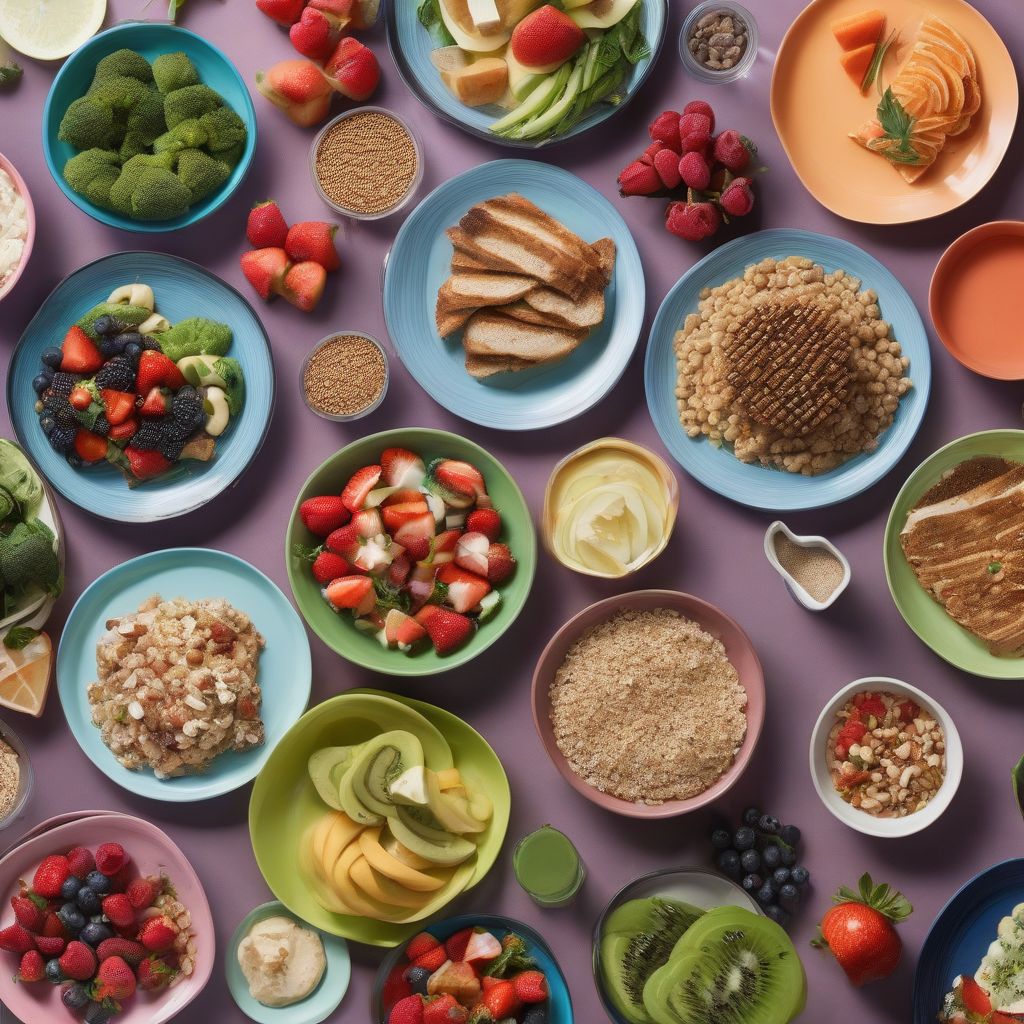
<point>224,128</point>
<point>87,124</point>
<point>128,180</point>
<point>130,316</point>
<point>27,559</point>
<point>200,173</point>
<point>160,195</point>
<point>92,174</point>
<point>191,102</point>
<point>196,336</point>
<point>10,74</point>
<point>120,92</point>
<point>147,118</point>
<point>174,71</point>
<point>123,63</point>
<point>230,371</point>
<point>233,155</point>
<point>188,134</point>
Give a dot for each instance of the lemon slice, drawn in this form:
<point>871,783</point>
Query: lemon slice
<point>50,29</point>
<point>25,675</point>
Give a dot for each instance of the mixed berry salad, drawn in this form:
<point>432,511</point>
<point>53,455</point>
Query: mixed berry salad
<point>411,550</point>
<point>90,923</point>
<point>127,388</point>
<point>473,977</point>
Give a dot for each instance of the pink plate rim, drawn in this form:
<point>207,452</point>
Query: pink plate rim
<point>30,217</point>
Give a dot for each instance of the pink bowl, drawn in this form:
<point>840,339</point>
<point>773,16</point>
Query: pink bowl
<point>30,217</point>
<point>153,852</point>
<point>738,648</point>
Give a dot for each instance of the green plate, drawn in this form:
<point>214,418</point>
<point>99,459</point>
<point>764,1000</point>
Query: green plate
<point>284,803</point>
<point>925,616</point>
<point>340,634</point>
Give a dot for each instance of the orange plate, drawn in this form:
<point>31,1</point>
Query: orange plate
<point>814,106</point>
<point>976,301</point>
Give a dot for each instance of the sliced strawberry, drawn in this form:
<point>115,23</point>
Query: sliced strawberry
<point>90,447</point>
<point>396,516</point>
<point>461,477</point>
<point>80,354</point>
<point>471,553</point>
<point>146,464</point>
<point>447,629</point>
<point>457,944</point>
<point>118,405</point>
<point>155,369</point>
<point>415,535</point>
<point>368,522</point>
<point>156,403</point>
<point>976,999</point>
<point>398,571</point>
<point>465,589</point>
<point>124,431</point>
<point>402,495</point>
<point>402,468</point>
<point>500,563</point>
<point>355,592</point>
<point>420,585</point>
<point>363,481</point>
<point>80,398</point>
<point>402,631</point>
<point>447,540</point>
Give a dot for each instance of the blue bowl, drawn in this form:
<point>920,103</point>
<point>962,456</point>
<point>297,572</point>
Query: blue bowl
<point>182,290</point>
<point>150,39</point>
<point>285,671</point>
<point>559,1000</point>
<point>751,484</point>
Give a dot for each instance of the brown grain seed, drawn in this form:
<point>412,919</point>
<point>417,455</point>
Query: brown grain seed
<point>345,375</point>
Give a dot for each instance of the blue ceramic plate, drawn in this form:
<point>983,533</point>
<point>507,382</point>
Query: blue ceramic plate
<point>319,1004</point>
<point>559,1004</point>
<point>757,486</point>
<point>420,262</point>
<point>411,46</point>
<point>182,290</point>
<point>150,39</point>
<point>963,931</point>
<point>285,673</point>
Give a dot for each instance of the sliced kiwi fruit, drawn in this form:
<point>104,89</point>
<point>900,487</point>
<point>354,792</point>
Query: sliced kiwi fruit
<point>636,939</point>
<point>731,967</point>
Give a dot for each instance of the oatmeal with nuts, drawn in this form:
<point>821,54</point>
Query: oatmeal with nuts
<point>178,685</point>
<point>886,754</point>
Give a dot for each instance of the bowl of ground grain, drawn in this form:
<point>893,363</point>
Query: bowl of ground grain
<point>649,704</point>
<point>367,163</point>
<point>345,377</point>
<point>718,41</point>
<point>814,570</point>
<point>15,775</point>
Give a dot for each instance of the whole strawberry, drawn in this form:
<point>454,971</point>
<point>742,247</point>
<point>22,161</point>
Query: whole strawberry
<point>732,150</point>
<point>694,171</point>
<point>266,226</point>
<point>665,129</point>
<point>27,912</point>
<point>78,961</point>
<point>737,200</point>
<point>313,240</point>
<point>119,910</point>
<point>640,179</point>
<point>131,952</point>
<point>666,163</point>
<point>701,107</point>
<point>114,980</point>
<point>859,931</point>
<point>323,514</point>
<point>16,939</point>
<point>692,221</point>
<point>158,934</point>
<point>32,967</point>
<point>110,858</point>
<point>81,862</point>
<point>444,1009</point>
<point>50,876</point>
<point>407,1011</point>
<point>142,892</point>
<point>154,974</point>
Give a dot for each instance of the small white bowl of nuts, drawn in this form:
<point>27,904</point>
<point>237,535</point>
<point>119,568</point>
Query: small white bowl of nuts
<point>885,758</point>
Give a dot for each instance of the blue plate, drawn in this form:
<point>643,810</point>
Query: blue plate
<point>285,673</point>
<point>150,39</point>
<point>319,1004</point>
<point>411,46</point>
<point>758,486</point>
<point>962,933</point>
<point>420,262</point>
<point>182,289</point>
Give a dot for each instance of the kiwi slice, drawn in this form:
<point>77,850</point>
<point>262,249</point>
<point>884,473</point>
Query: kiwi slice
<point>637,938</point>
<point>731,967</point>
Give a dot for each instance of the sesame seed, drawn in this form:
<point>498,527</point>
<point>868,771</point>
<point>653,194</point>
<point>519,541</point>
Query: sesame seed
<point>345,375</point>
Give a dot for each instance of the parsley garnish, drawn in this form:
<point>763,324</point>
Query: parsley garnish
<point>898,126</point>
<point>19,638</point>
<point>994,567</point>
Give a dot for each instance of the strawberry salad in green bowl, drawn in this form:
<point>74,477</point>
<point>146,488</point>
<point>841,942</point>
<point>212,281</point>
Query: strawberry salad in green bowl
<point>411,551</point>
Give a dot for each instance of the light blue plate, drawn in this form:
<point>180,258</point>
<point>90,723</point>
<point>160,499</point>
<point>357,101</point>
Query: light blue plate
<point>150,39</point>
<point>285,673</point>
<point>319,1004</point>
<point>411,46</point>
<point>420,262</point>
<point>757,486</point>
<point>182,289</point>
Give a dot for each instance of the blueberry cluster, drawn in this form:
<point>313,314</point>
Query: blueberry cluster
<point>118,340</point>
<point>761,855</point>
<point>81,913</point>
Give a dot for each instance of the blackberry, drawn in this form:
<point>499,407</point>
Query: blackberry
<point>175,431</point>
<point>62,438</point>
<point>108,347</point>
<point>149,343</point>
<point>149,436</point>
<point>170,448</point>
<point>61,409</point>
<point>101,426</point>
<point>63,383</point>
<point>187,407</point>
<point>117,374</point>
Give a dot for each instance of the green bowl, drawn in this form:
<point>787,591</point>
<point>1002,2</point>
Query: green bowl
<point>340,634</point>
<point>925,616</point>
<point>284,803</point>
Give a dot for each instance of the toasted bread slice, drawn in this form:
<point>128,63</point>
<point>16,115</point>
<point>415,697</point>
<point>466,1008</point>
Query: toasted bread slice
<point>462,291</point>
<point>526,314</point>
<point>488,333</point>
<point>462,261</point>
<point>605,249</point>
<point>448,321</point>
<point>563,312</point>
<point>488,366</point>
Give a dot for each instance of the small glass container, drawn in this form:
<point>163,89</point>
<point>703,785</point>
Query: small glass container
<point>812,543</point>
<point>359,214</point>
<point>742,66</point>
<point>548,867</point>
<point>360,413</point>
<point>25,775</point>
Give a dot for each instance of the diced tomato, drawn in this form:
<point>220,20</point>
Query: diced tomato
<point>908,711</point>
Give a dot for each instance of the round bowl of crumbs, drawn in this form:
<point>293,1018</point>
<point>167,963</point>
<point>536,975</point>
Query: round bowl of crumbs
<point>367,163</point>
<point>649,704</point>
<point>15,775</point>
<point>345,377</point>
<point>718,41</point>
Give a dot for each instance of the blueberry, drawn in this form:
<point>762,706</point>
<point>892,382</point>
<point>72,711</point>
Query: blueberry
<point>109,347</point>
<point>72,918</point>
<point>47,423</point>
<point>52,357</point>
<point>720,839</point>
<point>766,894</point>
<point>768,824</point>
<point>729,864</point>
<point>771,857</point>
<point>744,839</point>
<point>418,978</point>
<point>132,351</point>
<point>93,934</point>
<point>789,897</point>
<point>69,890</point>
<point>131,338</point>
<point>98,882</point>
<point>751,861</point>
<point>74,460</point>
<point>54,975</point>
<point>781,876</point>
<point>790,835</point>
<point>97,1014</point>
<point>800,876</point>
<point>788,855</point>
<point>778,915</point>
<point>752,882</point>
<point>74,996</point>
<point>41,381</point>
<point>103,324</point>
<point>751,816</point>
<point>89,901</point>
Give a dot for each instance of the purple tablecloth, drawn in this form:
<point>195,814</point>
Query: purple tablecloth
<point>715,553</point>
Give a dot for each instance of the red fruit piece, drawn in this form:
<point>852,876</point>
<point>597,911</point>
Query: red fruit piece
<point>697,142</point>
<point>701,107</point>
<point>639,179</point>
<point>461,478</point>
<point>420,944</point>
<point>27,912</point>
<point>444,1009</point>
<point>486,521</point>
<point>284,12</point>
<point>90,447</point>
<point>395,988</point>
<point>458,979</point>
<point>692,221</point>
<point>447,630</point>
<point>265,270</point>
<point>80,398</point>
<point>156,403</point>
<point>127,949</point>
<point>50,945</point>
<point>80,355</point>
<point>154,974</point>
<point>694,171</point>
<point>119,910</point>
<point>32,967</point>
<point>500,563</point>
<point>355,592</point>
<point>465,589</point>
<point>908,711</point>
<point>546,38</point>
<point>353,70</point>
<point>648,155</point>
<point>401,468</point>
<point>51,874</point>
<point>315,34</point>
<point>359,486</point>
<point>78,961</point>
<point>731,151</point>
<point>144,464</point>
<point>16,939</point>
<point>402,631</point>
<point>324,514</point>
<point>118,405</point>
<point>872,704</point>
<point>975,998</point>
<point>266,227</point>
<point>693,123</point>
<point>430,960</point>
<point>156,370</point>
<point>407,1011</point>
<point>124,431</point>
<point>114,980</point>
<point>482,949</point>
<point>158,934</point>
<point>737,201</point>
<point>501,1000</point>
<point>297,87</point>
<point>666,163</point>
<point>110,858</point>
<point>665,129</point>
<point>54,927</point>
<point>313,240</point>
<point>456,945</point>
<point>531,986</point>
<point>304,285</point>
<point>327,566</point>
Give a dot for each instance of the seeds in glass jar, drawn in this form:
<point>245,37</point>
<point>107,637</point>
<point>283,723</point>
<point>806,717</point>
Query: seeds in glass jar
<point>718,40</point>
<point>345,375</point>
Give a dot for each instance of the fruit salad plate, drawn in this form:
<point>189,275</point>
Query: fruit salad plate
<point>183,290</point>
<point>921,612</point>
<point>285,805</point>
<point>752,484</point>
<point>815,105</point>
<point>419,264</point>
<point>152,852</point>
<point>413,46</point>
<point>962,933</point>
<point>284,668</point>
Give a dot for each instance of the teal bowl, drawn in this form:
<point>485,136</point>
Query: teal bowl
<point>318,1005</point>
<point>150,39</point>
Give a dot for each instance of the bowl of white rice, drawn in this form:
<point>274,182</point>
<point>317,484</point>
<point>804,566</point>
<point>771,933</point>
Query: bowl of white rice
<point>17,226</point>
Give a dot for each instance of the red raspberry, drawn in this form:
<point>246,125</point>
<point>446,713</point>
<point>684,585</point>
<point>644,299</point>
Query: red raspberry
<point>732,151</point>
<point>737,201</point>
<point>694,170</point>
<point>110,858</point>
<point>665,128</point>
<point>701,107</point>
<point>639,179</point>
<point>692,221</point>
<point>666,163</point>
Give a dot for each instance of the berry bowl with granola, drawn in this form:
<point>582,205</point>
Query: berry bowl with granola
<point>104,917</point>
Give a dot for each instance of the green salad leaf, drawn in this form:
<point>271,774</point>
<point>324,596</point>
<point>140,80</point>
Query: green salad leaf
<point>429,14</point>
<point>19,637</point>
<point>19,480</point>
<point>898,126</point>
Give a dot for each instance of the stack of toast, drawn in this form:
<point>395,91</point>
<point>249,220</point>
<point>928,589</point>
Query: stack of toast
<point>524,289</point>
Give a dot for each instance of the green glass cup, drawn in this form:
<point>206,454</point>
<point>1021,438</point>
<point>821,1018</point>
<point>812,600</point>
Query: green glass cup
<point>548,867</point>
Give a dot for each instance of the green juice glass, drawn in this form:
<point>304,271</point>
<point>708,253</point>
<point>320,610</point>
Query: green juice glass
<point>548,867</point>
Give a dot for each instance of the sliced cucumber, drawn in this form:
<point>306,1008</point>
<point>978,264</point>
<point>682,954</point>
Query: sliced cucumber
<point>538,100</point>
<point>546,120</point>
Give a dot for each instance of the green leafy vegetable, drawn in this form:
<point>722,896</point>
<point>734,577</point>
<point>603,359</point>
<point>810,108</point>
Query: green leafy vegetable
<point>898,126</point>
<point>429,13</point>
<point>19,480</point>
<point>20,637</point>
<point>195,336</point>
<point>10,74</point>
<point>173,7</point>
<point>994,567</point>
